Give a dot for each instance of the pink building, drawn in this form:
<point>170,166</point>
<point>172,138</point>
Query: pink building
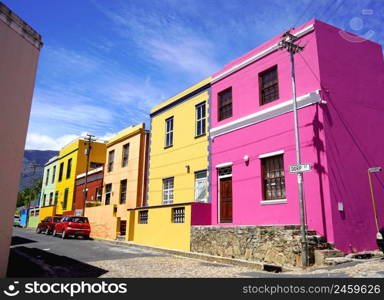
<point>339,79</point>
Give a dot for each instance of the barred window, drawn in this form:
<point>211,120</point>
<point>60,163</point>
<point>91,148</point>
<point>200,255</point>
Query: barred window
<point>225,104</point>
<point>269,86</point>
<point>200,119</point>
<point>178,215</point>
<point>168,190</point>
<point>273,177</point>
<point>143,217</point>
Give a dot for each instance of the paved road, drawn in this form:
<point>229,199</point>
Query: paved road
<point>39,255</point>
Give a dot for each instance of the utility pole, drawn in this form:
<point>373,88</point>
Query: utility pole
<point>88,142</point>
<point>288,43</point>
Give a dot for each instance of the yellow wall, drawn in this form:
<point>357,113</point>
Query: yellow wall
<point>161,232</point>
<point>76,151</point>
<point>186,150</point>
<point>171,162</point>
<point>47,211</point>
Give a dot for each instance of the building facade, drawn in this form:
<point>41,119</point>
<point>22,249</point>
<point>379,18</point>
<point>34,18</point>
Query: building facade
<point>72,161</point>
<point>178,171</point>
<point>17,80</point>
<point>88,192</point>
<point>123,184</point>
<point>49,195</point>
<point>253,142</point>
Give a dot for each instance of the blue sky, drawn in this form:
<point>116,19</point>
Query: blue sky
<point>105,63</point>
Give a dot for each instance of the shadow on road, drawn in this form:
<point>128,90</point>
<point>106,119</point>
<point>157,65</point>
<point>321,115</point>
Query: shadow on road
<point>18,240</point>
<point>33,262</point>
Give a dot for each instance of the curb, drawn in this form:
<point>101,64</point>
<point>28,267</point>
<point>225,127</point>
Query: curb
<point>261,266</point>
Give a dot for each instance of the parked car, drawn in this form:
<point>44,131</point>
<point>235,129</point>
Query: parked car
<point>73,226</point>
<point>47,225</point>
<point>380,239</point>
<point>16,221</point>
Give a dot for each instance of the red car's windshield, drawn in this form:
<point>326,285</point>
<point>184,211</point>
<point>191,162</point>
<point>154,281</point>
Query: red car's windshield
<point>56,220</point>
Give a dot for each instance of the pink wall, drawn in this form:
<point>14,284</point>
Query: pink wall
<point>324,142</point>
<point>352,74</point>
<point>201,214</point>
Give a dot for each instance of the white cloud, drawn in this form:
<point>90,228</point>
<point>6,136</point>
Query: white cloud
<point>36,141</point>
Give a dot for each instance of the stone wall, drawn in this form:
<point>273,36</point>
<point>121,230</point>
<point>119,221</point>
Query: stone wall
<point>278,245</point>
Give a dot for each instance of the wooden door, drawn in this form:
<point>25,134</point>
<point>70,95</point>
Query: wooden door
<point>123,227</point>
<point>226,200</point>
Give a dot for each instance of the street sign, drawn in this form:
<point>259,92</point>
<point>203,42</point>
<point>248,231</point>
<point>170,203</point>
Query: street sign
<point>299,168</point>
<point>375,169</point>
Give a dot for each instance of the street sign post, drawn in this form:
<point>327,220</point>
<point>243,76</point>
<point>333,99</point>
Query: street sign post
<point>299,168</point>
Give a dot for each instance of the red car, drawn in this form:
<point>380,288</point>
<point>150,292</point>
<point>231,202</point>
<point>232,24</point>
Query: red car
<point>47,225</point>
<point>73,225</point>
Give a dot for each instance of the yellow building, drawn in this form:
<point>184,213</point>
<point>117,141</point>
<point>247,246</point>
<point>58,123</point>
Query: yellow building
<point>72,162</point>
<point>123,186</point>
<point>178,170</point>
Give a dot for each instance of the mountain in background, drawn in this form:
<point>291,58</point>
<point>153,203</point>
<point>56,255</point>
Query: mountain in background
<point>31,157</point>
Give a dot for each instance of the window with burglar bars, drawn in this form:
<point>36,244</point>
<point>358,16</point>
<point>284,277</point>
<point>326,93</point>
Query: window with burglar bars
<point>225,104</point>
<point>108,193</point>
<point>124,161</point>
<point>111,158</point>
<point>273,177</point>
<point>178,215</point>
<point>123,191</point>
<point>168,190</point>
<point>269,85</point>
<point>169,132</point>
<point>143,217</point>
<point>200,119</point>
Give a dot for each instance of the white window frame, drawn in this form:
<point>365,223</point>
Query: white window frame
<point>218,167</point>
<point>201,107</point>
<point>168,192</point>
<point>200,180</point>
<point>169,132</point>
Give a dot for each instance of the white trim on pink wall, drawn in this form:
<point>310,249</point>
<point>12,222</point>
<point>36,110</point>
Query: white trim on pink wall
<point>266,114</point>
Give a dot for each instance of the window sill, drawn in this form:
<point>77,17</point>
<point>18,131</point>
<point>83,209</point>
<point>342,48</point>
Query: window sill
<point>277,201</point>
<point>199,136</point>
<point>166,147</point>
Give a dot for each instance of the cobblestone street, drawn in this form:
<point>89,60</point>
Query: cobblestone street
<point>37,255</point>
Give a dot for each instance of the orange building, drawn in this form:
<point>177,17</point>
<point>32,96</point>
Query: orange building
<point>123,184</point>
